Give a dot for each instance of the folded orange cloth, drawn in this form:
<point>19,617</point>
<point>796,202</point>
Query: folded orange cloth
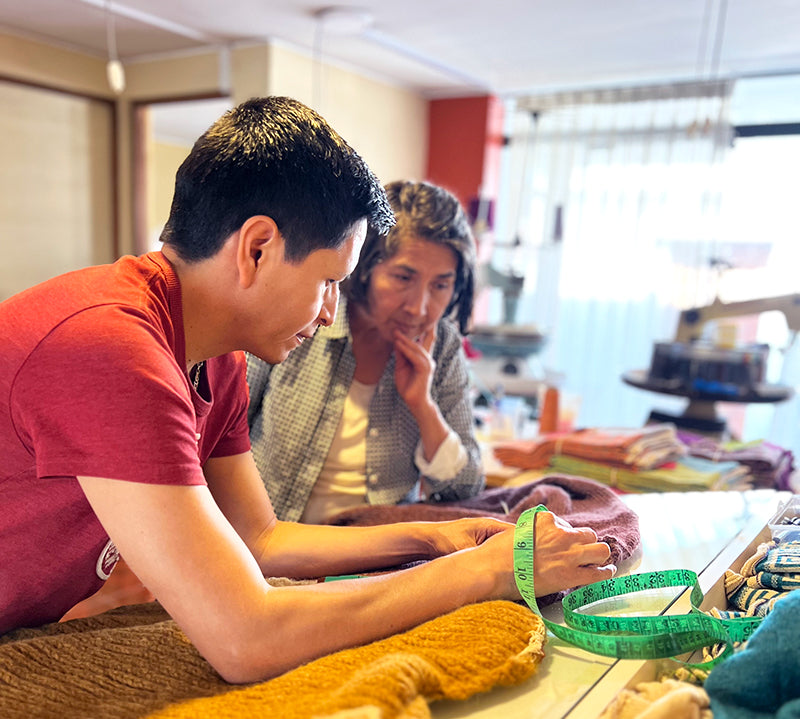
<point>642,447</point>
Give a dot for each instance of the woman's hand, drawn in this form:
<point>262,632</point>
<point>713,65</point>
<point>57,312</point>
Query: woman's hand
<point>414,367</point>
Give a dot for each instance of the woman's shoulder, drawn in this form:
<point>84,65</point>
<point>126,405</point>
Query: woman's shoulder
<point>447,332</point>
<point>449,341</point>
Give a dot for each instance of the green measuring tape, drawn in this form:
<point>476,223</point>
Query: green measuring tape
<point>629,637</point>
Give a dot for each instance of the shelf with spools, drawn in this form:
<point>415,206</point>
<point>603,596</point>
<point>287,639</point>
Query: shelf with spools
<point>706,373</point>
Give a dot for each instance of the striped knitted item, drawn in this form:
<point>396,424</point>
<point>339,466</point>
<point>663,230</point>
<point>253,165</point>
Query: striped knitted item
<point>754,602</point>
<point>749,567</point>
<point>774,565</point>
<point>102,667</point>
<point>782,581</point>
<point>785,557</point>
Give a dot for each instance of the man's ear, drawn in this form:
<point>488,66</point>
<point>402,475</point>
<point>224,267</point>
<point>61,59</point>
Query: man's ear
<point>259,245</point>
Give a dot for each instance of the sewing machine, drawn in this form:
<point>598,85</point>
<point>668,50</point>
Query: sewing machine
<point>692,321</point>
<point>509,352</point>
<point>709,371</point>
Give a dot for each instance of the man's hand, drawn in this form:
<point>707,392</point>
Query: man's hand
<point>449,537</point>
<point>564,556</point>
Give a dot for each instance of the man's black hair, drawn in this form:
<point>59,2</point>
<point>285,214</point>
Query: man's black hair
<point>272,156</point>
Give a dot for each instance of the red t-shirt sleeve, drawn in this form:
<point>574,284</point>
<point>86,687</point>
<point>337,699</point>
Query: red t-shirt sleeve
<point>102,395</point>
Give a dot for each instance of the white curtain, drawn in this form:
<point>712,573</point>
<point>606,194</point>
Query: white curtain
<point>760,201</point>
<point>610,207</point>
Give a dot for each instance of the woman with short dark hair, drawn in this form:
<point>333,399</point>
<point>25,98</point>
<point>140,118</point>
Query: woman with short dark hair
<point>376,407</point>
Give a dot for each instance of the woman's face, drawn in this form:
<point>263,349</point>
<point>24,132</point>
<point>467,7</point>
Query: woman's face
<point>410,291</point>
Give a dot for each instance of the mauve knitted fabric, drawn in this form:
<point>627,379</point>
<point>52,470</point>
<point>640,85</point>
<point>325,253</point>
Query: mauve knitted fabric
<point>582,502</point>
<point>770,465</point>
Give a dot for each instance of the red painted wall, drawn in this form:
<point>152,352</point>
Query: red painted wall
<point>465,137</point>
<point>464,142</point>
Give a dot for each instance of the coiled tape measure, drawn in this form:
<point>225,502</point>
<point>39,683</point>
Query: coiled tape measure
<point>630,637</point>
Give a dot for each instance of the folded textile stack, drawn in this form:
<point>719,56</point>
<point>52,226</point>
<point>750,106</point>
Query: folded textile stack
<point>636,448</point>
<point>770,466</point>
<point>761,680</point>
<point>686,474</point>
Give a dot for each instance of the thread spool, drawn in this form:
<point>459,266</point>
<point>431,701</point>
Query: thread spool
<point>548,418</point>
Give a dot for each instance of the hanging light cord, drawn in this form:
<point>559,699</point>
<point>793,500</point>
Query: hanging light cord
<point>111,35</point>
<point>718,37</point>
<point>316,81</point>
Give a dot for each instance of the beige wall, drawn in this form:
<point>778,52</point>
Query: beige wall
<point>50,66</point>
<point>56,179</point>
<point>163,161</point>
<point>391,133</point>
<point>387,125</point>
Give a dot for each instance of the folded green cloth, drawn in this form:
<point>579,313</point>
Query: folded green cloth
<point>684,475</point>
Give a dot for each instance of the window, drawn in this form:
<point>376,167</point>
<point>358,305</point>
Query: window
<point>622,208</point>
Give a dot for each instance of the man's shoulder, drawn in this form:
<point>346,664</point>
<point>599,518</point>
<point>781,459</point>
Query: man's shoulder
<point>128,282</point>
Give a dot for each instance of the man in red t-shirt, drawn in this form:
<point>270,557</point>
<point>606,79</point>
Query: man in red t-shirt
<point>123,421</point>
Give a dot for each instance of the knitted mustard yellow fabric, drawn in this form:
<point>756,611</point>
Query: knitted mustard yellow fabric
<point>122,664</point>
<point>454,656</point>
<point>135,662</point>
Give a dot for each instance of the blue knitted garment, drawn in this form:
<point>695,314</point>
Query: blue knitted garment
<point>762,681</point>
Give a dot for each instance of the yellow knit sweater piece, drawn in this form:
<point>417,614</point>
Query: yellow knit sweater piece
<point>454,656</point>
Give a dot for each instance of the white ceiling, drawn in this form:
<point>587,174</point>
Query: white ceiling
<point>445,48</point>
<point>449,47</point>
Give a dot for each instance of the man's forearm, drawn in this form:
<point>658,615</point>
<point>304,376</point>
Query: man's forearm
<point>297,624</point>
<point>308,551</point>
